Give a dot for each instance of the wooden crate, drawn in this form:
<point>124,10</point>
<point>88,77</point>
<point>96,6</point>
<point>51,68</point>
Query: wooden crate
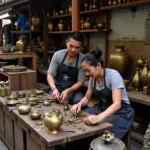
<point>20,80</point>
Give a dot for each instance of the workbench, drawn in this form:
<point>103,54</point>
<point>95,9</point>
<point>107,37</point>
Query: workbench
<point>20,133</point>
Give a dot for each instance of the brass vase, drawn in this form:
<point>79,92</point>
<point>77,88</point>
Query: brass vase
<point>20,45</point>
<point>119,1</point>
<point>114,2</point>
<point>136,80</point>
<point>140,61</point>
<point>50,26</point>
<point>94,4</point>
<point>69,8</point>
<point>109,2</point>
<point>61,26</point>
<point>119,60</point>
<point>148,78</point>
<point>53,121</point>
<point>143,77</point>
<point>87,24</point>
<point>36,21</point>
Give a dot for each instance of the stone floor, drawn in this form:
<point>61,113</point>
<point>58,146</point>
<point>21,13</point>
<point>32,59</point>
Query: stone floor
<point>134,146</point>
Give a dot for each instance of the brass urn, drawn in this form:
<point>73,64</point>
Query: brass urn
<point>119,60</point>
<point>20,45</point>
<point>53,121</point>
<point>50,26</point>
<point>87,24</point>
<point>61,26</point>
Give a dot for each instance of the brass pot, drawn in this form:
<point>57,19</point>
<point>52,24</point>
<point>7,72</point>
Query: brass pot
<point>61,26</point>
<point>24,108</point>
<point>50,26</point>
<point>20,45</point>
<point>119,60</point>
<point>53,121</point>
<point>12,102</point>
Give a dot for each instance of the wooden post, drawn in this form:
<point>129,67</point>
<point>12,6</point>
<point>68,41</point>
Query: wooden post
<point>75,15</point>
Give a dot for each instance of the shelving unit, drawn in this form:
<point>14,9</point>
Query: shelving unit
<point>125,5</point>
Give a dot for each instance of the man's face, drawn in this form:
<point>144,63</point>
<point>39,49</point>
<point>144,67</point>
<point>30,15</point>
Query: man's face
<point>73,47</point>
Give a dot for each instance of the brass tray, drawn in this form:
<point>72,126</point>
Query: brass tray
<point>14,69</point>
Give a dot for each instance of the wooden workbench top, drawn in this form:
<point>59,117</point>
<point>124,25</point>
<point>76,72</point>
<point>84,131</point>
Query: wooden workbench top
<point>42,133</point>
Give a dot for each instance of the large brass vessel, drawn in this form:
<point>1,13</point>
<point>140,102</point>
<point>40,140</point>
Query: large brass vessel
<point>119,60</point>
<point>53,121</point>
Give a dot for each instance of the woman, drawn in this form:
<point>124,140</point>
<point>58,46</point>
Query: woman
<point>108,85</point>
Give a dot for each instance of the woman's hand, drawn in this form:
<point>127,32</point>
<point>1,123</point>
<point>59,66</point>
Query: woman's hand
<point>64,95</point>
<point>56,94</point>
<point>93,119</point>
<point>76,108</point>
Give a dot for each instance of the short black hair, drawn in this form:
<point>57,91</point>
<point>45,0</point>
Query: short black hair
<point>78,36</point>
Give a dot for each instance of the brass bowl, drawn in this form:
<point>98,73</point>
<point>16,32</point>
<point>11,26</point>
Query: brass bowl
<point>35,114</point>
<point>39,92</point>
<point>32,99</point>
<point>12,102</point>
<point>12,97</point>
<point>126,82</point>
<point>21,94</point>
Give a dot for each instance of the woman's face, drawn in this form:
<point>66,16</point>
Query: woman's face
<point>91,71</point>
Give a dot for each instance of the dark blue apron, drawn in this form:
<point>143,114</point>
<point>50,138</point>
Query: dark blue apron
<point>122,119</point>
<point>66,75</point>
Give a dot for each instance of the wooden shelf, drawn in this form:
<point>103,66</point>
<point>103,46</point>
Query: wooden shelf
<point>89,11</point>
<point>60,16</point>
<point>129,4</point>
<point>25,32</point>
<point>60,32</point>
<point>95,30</point>
<point>134,96</point>
<point>50,52</point>
<point>139,97</point>
<point>20,32</point>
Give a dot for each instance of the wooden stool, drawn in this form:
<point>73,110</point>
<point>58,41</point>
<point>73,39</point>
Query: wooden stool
<point>127,139</point>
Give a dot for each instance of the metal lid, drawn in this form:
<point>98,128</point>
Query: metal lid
<point>116,144</point>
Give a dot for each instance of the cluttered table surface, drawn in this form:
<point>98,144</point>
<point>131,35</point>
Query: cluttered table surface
<point>73,127</point>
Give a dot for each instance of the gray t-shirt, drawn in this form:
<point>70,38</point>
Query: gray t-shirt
<point>114,81</point>
<point>57,59</point>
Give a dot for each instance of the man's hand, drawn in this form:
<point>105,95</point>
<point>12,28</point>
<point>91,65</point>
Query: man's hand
<point>93,119</point>
<point>56,94</point>
<point>64,95</point>
<point>76,108</point>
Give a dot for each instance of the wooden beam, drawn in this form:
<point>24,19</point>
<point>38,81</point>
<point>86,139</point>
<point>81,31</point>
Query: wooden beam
<point>75,15</point>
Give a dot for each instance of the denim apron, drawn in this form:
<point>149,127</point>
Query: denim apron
<point>122,120</point>
<point>66,75</point>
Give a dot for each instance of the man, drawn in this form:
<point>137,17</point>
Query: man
<point>65,68</point>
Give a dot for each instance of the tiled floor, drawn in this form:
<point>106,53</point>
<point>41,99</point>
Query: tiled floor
<point>134,146</point>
